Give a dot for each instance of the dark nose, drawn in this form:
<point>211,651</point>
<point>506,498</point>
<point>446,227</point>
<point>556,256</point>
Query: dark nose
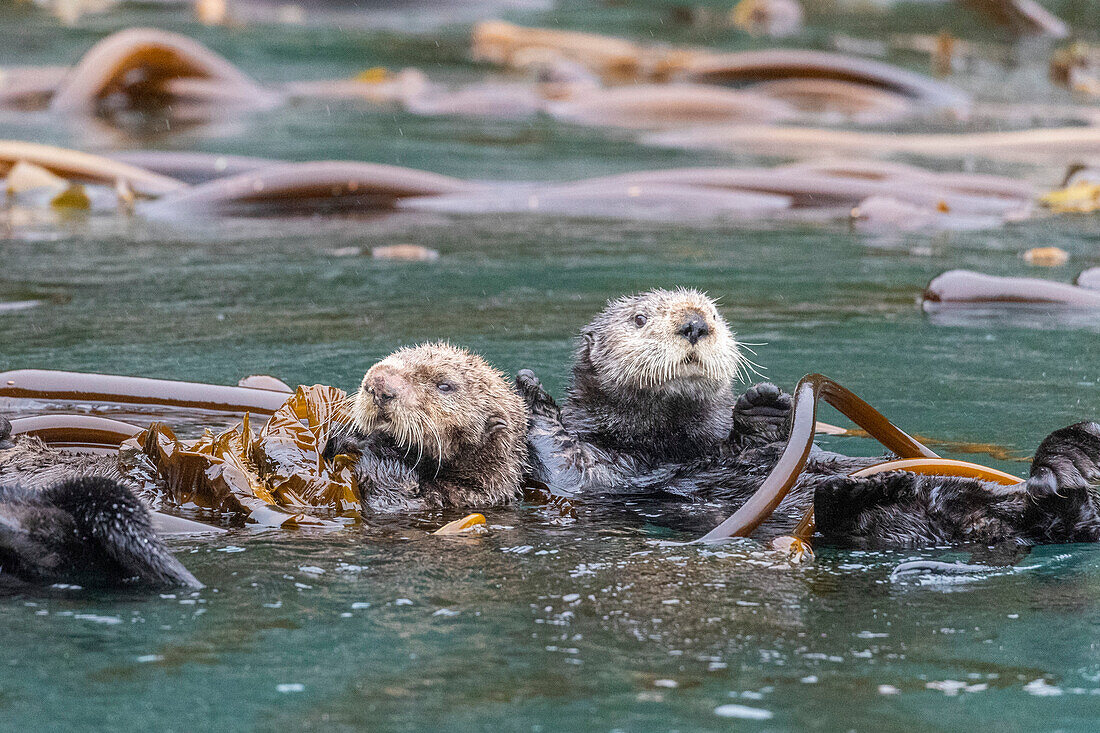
<point>381,390</point>
<point>694,328</point>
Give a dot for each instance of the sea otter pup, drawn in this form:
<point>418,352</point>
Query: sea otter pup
<point>435,426</point>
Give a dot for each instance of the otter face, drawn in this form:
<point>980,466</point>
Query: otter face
<point>671,341</point>
<point>436,400</point>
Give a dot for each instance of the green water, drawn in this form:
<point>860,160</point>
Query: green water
<point>586,623</point>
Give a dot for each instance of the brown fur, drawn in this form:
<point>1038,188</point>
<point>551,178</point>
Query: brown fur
<point>652,396</point>
<point>423,446</point>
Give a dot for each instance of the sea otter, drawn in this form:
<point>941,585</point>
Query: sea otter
<point>648,412</point>
<point>652,402</point>
<point>82,530</point>
<point>435,426</point>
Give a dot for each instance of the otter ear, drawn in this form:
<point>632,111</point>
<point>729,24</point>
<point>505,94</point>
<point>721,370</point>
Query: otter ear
<point>588,340</point>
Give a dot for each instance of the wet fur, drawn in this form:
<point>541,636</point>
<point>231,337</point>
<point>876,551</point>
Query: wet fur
<point>87,531</point>
<point>647,408</point>
<point>645,390</point>
<point>1056,504</point>
<point>424,449</point>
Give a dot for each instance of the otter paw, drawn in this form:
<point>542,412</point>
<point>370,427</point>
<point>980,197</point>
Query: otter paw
<point>342,443</point>
<point>764,400</point>
<point>1067,459</point>
<point>538,400</point>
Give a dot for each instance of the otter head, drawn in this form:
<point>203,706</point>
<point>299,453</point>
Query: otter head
<point>663,342</point>
<point>441,403</point>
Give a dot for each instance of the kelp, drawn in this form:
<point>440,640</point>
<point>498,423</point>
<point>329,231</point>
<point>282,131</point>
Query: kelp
<point>1080,197</point>
<point>962,288</point>
<point>269,477</point>
<point>74,165</point>
<point>913,456</point>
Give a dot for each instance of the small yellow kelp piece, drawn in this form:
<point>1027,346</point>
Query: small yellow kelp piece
<point>373,75</point>
<point>73,197</point>
<point>1046,256</point>
<point>1082,197</point>
<point>474,523</point>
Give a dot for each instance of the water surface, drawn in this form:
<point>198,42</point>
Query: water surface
<point>593,620</point>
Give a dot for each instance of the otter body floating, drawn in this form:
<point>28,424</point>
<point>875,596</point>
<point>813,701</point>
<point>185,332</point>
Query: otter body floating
<point>963,288</point>
<point>97,435</point>
<point>89,531</point>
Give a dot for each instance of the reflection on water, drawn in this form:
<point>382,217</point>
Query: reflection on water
<point>1020,316</point>
<point>594,619</point>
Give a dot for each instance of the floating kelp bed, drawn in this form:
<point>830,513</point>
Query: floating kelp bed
<point>869,193</point>
<point>148,69</point>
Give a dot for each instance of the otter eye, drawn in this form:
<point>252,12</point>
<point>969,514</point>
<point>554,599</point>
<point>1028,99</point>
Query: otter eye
<point>640,320</point>
<point>445,387</point>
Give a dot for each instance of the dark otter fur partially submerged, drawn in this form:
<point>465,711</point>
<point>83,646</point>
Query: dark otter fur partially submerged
<point>69,518</point>
<point>1057,503</point>
<point>85,531</point>
<point>28,462</point>
<point>435,426</point>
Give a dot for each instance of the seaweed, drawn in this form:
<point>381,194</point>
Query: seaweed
<point>269,476</point>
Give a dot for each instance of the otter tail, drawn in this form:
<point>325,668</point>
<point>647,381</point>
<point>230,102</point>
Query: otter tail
<point>117,525</point>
